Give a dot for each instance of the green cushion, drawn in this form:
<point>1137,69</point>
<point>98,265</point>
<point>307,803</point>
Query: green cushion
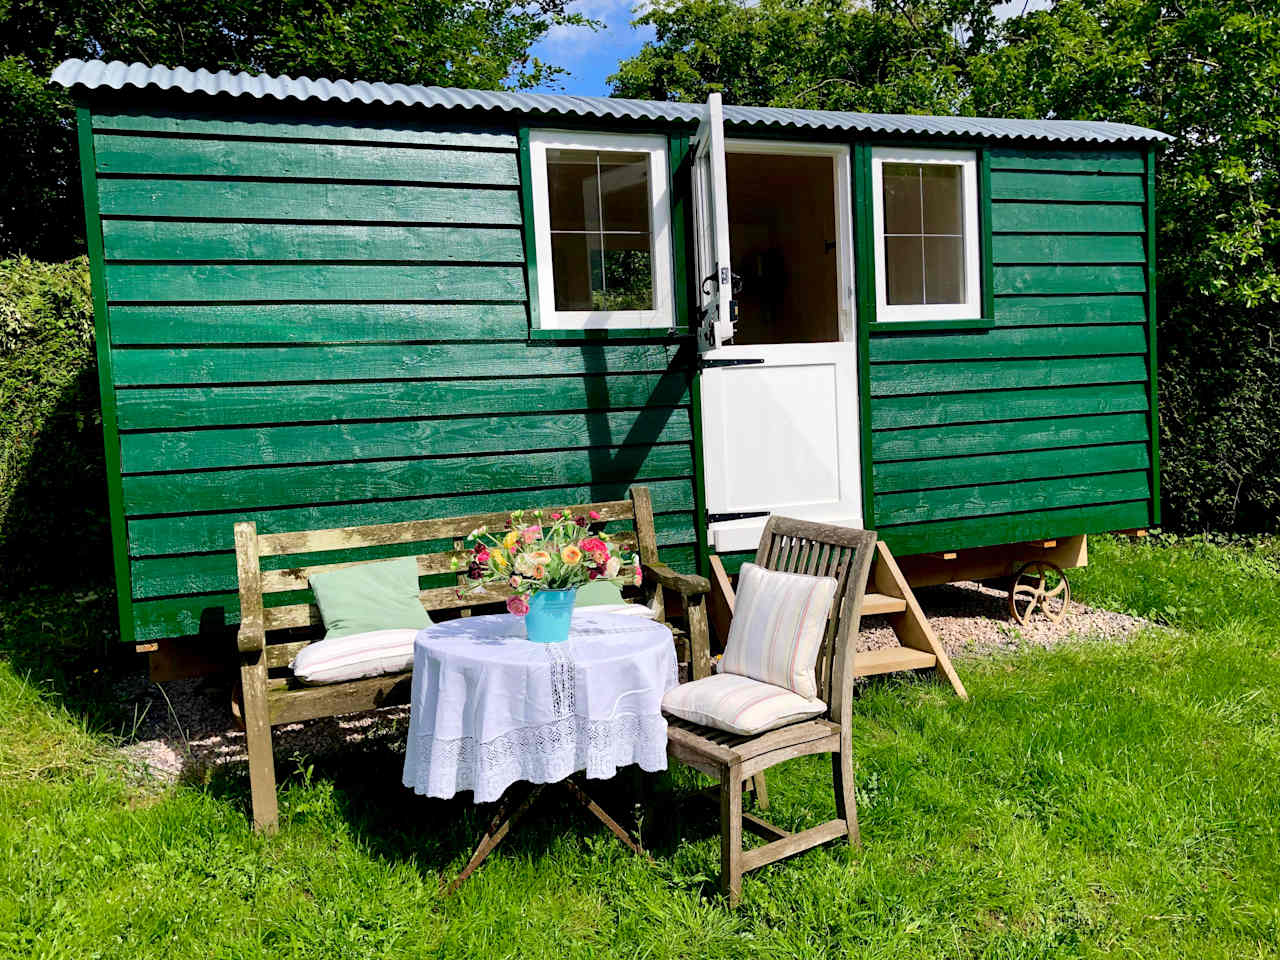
<point>597,592</point>
<point>381,595</point>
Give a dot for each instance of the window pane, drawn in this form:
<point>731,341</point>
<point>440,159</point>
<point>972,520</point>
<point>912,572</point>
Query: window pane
<point>943,199</point>
<point>573,189</point>
<point>624,185</point>
<point>901,197</point>
<point>618,276</point>
<point>944,269</point>
<point>628,273</point>
<point>578,269</point>
<point>903,270</point>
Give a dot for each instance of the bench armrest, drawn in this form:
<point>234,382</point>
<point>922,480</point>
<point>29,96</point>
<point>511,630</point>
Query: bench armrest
<point>686,584</point>
<point>251,638</point>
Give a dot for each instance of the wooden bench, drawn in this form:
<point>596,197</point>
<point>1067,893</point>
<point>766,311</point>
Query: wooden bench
<point>270,636</point>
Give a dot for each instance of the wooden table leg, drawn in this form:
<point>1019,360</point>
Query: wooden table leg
<point>503,819</point>
<point>598,812</point>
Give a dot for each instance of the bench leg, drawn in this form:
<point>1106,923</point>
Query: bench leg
<point>257,734</point>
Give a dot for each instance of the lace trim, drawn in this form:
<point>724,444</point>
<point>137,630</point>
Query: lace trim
<point>545,754</point>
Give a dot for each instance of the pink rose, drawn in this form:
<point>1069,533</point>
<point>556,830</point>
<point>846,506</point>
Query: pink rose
<point>593,514</point>
<point>556,516</point>
<point>639,573</point>
<point>482,555</point>
<point>595,548</point>
<point>530,534</point>
<point>517,605</point>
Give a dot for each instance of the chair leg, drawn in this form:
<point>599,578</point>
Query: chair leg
<point>762,791</point>
<point>731,834</point>
<point>846,794</point>
<point>257,734</point>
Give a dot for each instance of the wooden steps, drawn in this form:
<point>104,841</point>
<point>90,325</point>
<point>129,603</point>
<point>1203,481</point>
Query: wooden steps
<point>879,604</point>
<point>891,660</point>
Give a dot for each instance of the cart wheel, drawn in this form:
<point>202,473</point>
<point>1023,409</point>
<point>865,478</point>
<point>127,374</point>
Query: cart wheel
<point>1039,586</point>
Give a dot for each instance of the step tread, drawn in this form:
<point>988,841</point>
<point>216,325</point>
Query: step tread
<point>891,660</point>
<point>874,604</point>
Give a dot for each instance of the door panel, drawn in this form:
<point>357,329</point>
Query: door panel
<point>780,435</point>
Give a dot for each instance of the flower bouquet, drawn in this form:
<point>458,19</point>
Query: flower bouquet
<point>544,560</point>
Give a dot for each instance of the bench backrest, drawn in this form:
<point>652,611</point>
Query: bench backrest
<point>255,582</point>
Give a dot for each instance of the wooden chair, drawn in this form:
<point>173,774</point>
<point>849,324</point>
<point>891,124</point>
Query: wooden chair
<point>793,546</point>
<point>269,635</point>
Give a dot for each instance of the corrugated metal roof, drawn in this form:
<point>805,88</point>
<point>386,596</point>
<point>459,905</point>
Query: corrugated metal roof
<point>95,74</point>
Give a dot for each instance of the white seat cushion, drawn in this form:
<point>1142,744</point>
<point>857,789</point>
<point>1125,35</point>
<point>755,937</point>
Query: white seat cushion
<point>777,628</point>
<point>354,657</point>
<point>739,704</point>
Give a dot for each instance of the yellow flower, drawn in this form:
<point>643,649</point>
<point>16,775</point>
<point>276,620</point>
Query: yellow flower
<point>571,555</point>
<point>511,539</point>
<point>498,559</point>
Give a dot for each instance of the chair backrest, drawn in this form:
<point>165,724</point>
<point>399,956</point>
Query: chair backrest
<point>823,550</point>
<point>445,534</point>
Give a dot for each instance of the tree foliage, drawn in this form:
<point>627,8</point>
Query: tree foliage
<point>1206,71</point>
<point>468,43</point>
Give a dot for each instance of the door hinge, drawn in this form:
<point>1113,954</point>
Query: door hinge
<point>707,363</point>
<point>721,517</point>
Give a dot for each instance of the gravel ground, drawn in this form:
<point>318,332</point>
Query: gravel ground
<point>186,729</point>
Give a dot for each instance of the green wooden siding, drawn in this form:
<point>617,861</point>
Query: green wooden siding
<point>1041,425</point>
<point>317,324</point>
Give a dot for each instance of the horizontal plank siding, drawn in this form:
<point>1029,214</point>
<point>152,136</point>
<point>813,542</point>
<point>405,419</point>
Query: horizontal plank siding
<point>174,240</point>
<point>203,365</point>
<point>1008,435</point>
<point>299,127</point>
<point>898,379</point>
<point>158,324</point>
<point>1091,218</point>
<point>1081,161</point>
<point>211,532</point>
<point>238,200</point>
<point>199,157</point>
<point>308,281</point>
<point>169,451</point>
<point>155,408</point>
<point>1038,426</point>
<point>1062,248</point>
<point>1059,185</point>
<point>993,499</point>
<point>323,322</point>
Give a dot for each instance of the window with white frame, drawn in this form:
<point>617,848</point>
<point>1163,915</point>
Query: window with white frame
<point>602,220</point>
<point>926,234</point>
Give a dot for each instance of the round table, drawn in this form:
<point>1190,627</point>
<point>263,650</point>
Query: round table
<point>490,708</point>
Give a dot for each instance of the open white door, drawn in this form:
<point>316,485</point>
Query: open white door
<point>711,229</point>
<point>780,419</point>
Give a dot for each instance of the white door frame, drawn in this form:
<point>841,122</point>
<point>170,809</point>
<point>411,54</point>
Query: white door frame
<point>742,534</point>
<point>842,180</point>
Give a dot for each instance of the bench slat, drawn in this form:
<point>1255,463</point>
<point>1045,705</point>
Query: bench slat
<point>411,531</point>
<point>429,564</point>
<point>336,699</point>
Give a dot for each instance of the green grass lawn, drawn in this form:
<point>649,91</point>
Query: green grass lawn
<point>1098,799</point>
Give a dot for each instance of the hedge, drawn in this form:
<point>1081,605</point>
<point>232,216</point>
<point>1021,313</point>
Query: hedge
<point>53,507</point>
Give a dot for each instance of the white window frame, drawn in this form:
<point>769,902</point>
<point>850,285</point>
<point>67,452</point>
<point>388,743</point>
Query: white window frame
<point>971,308</point>
<point>662,316</point>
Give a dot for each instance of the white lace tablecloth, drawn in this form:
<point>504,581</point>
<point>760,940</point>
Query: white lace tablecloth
<point>491,708</point>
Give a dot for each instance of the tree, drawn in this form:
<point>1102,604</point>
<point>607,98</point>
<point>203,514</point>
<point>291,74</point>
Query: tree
<point>481,44</point>
<point>1206,71</point>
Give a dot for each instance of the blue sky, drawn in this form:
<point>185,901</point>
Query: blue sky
<point>591,57</point>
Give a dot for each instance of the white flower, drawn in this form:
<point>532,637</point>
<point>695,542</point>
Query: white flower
<point>525,564</point>
<point>612,567</point>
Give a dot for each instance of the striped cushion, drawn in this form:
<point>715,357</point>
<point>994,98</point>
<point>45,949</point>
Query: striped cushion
<point>336,659</point>
<point>738,704</point>
<point>777,628</point>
